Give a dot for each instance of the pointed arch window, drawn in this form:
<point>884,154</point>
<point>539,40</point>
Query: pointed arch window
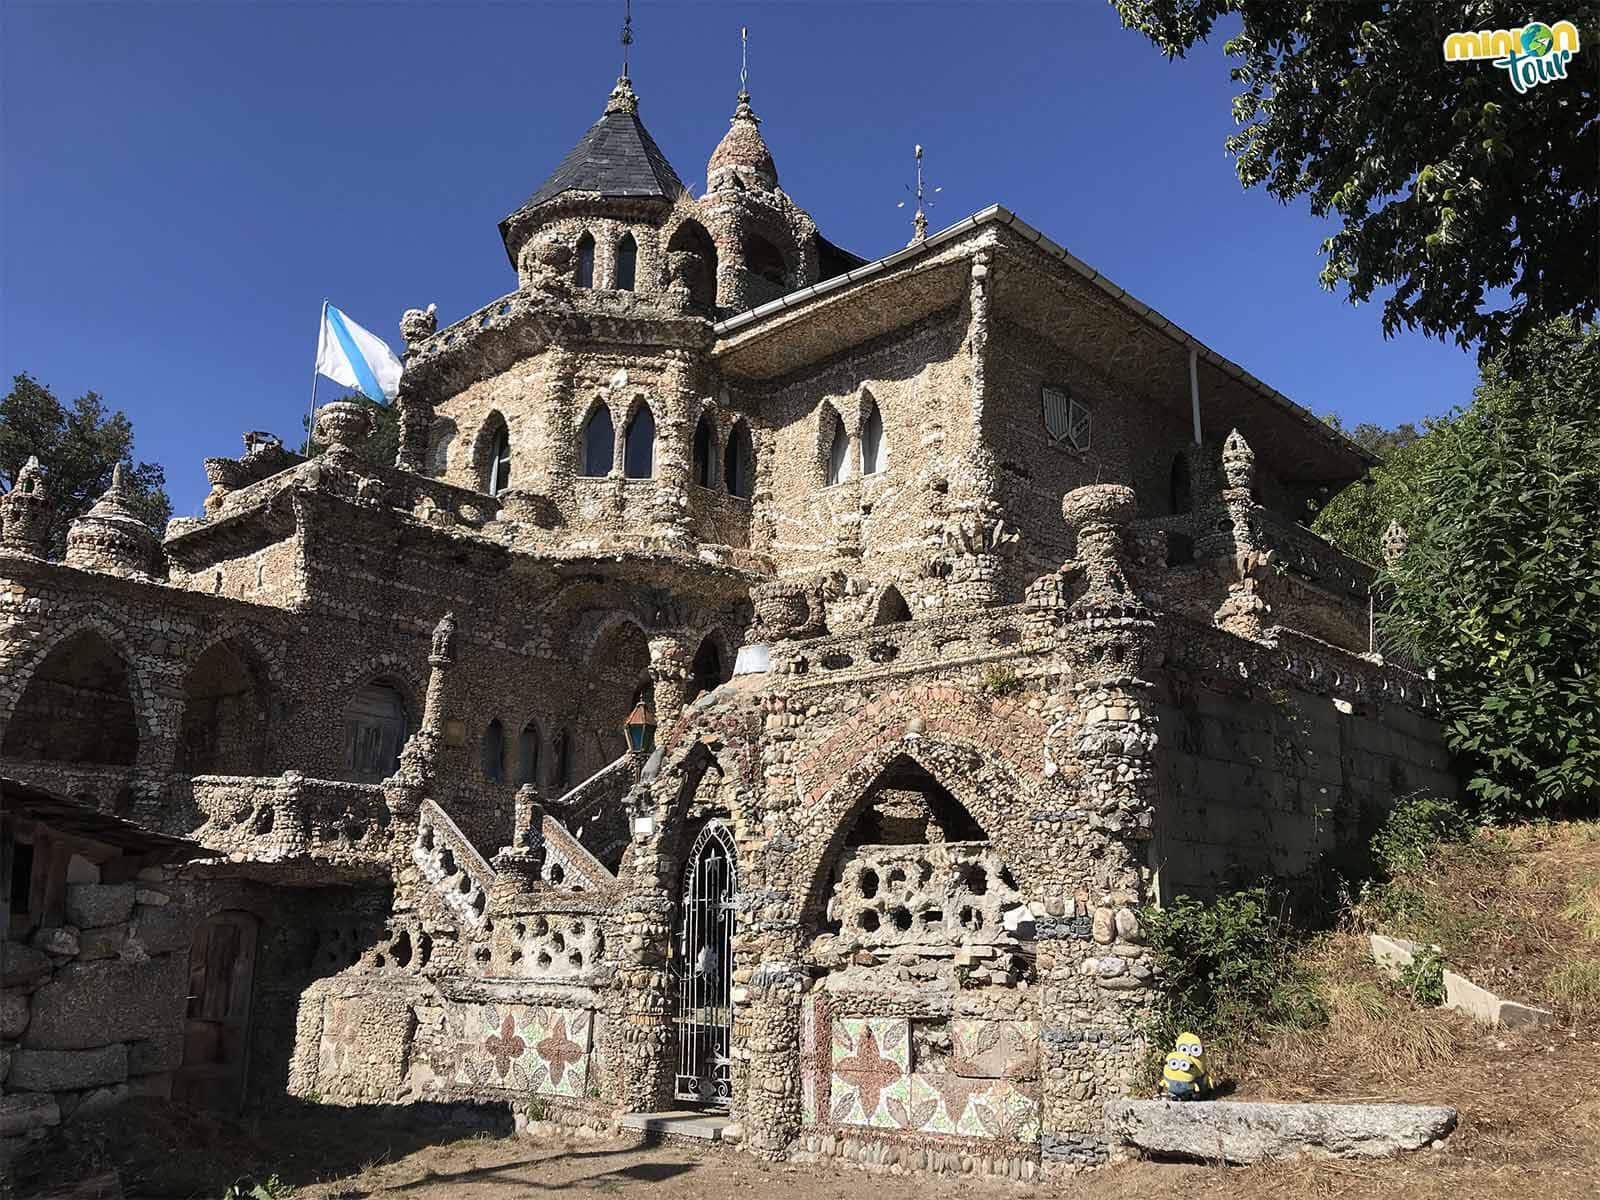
<point>705,453</point>
<point>627,262</point>
<point>1180,493</point>
<point>599,443</point>
<point>639,445</point>
<point>528,754</point>
<point>500,461</point>
<point>872,447</point>
<point>493,752</point>
<point>739,461</point>
<point>585,261</point>
<point>838,444</point>
<point>561,762</point>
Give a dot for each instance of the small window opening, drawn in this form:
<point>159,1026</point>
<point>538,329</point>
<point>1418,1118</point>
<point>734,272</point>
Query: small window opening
<point>585,268</point>
<point>627,262</point>
<point>599,443</point>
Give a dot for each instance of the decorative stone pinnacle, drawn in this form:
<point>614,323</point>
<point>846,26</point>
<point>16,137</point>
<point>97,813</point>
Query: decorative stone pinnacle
<point>1395,542</point>
<point>1238,462</point>
<point>623,98</point>
<point>743,111</point>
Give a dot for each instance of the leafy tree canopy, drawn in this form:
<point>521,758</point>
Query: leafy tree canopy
<point>1500,587</point>
<point>77,446</point>
<point>1475,204</point>
<point>1355,519</point>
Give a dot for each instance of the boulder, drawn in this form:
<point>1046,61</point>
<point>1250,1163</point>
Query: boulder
<point>58,939</point>
<point>21,1115</point>
<point>1243,1132</point>
<point>108,1000</point>
<point>23,966</point>
<point>161,930</point>
<point>67,1070</point>
<point>105,942</point>
<point>13,1014</point>
<point>91,905</point>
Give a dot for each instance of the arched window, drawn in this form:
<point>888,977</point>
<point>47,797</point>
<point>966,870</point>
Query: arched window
<point>692,257</point>
<point>766,260</point>
<point>528,754</point>
<point>639,445</point>
<point>891,608</point>
<point>498,463</point>
<point>375,729</point>
<point>838,444</point>
<point>706,671</point>
<point>872,449</point>
<point>627,262</point>
<point>599,442</point>
<point>224,729</point>
<point>739,461</point>
<point>493,752</point>
<point>705,453</point>
<point>585,256</point>
<point>77,707</point>
<point>561,763</point>
<point>1180,492</point>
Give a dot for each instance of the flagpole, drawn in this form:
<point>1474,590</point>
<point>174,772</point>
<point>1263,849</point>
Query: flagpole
<point>311,413</point>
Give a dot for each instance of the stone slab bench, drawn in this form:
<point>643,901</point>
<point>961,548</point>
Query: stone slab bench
<point>1247,1132</point>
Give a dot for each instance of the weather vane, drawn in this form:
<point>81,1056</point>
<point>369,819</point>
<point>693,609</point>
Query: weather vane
<point>627,34</point>
<point>919,222</point>
<point>744,60</point>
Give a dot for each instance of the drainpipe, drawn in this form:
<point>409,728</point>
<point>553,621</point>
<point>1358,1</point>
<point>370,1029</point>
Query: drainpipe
<point>1194,393</point>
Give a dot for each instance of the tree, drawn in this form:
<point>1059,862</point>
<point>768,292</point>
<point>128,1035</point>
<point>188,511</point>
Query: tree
<point>1477,205</point>
<point>1500,586</point>
<point>78,447</point>
<point>1355,519</point>
<point>384,444</point>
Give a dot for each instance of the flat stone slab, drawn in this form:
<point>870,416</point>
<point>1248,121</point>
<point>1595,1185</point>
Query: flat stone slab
<point>1246,1132</point>
<point>685,1123</point>
<point>1485,1007</point>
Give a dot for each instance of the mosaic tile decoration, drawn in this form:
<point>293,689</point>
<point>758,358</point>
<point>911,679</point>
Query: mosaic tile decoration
<point>871,1071</point>
<point>808,1071</point>
<point>995,1049</point>
<point>519,1048</point>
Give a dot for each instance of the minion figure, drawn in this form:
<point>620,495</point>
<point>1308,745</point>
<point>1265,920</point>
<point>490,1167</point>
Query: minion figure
<point>1184,1073</point>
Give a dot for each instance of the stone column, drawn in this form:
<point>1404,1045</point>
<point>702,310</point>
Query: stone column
<point>670,518</point>
<point>669,675</point>
<point>769,982</point>
<point>420,757</point>
<point>25,513</point>
<point>645,1074</point>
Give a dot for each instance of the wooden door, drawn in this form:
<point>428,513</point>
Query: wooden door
<point>216,1029</point>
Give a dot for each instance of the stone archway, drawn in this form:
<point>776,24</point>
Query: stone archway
<point>79,705</point>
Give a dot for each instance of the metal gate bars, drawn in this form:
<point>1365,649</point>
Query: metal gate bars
<point>704,967</point>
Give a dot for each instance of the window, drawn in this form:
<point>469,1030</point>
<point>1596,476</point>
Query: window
<point>1179,488</point>
<point>627,262</point>
<point>561,762</point>
<point>500,461</point>
<point>739,462</point>
<point>891,608</point>
<point>21,883</point>
<point>838,444</point>
<point>705,454</point>
<point>375,729</point>
<point>872,453</point>
<point>706,671</point>
<point>766,260</point>
<point>494,752</point>
<point>639,445</point>
<point>599,443</point>
<point>528,754</point>
<point>1065,419</point>
<point>693,257</point>
<point>585,270</point>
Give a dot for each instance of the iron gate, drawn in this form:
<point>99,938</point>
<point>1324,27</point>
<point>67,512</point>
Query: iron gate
<point>704,967</point>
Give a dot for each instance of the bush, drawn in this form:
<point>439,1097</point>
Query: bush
<point>1415,827</point>
<point>1001,681</point>
<point>1227,971</point>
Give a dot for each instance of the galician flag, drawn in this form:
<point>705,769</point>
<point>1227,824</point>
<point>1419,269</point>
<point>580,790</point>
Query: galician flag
<point>356,357</point>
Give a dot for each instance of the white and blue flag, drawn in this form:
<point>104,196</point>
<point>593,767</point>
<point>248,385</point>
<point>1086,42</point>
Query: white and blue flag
<point>356,357</point>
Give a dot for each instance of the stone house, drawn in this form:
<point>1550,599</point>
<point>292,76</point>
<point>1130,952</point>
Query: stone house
<point>766,681</point>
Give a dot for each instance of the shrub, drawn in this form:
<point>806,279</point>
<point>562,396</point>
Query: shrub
<point>1227,971</point>
<point>1001,681</point>
<point>1423,978</point>
<point>1415,827</point>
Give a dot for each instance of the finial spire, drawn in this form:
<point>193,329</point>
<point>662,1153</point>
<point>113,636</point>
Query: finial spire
<point>627,34</point>
<point>919,221</point>
<point>744,62</point>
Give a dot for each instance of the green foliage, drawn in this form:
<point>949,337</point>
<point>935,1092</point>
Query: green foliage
<point>271,1188</point>
<point>1355,519</point>
<point>1424,977</point>
<point>384,444</point>
<point>1227,970</point>
<point>77,446</point>
<point>1415,827</point>
<point>1001,681</point>
<point>1500,588</point>
<point>538,1110</point>
<point>1470,208</point>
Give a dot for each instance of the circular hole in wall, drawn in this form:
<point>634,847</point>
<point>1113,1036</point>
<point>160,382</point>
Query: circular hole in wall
<point>1007,878</point>
<point>924,871</point>
<point>481,954</point>
<point>378,961</point>
<point>576,959</point>
<point>867,919</point>
<point>464,884</point>
<point>896,877</point>
<point>447,862</point>
<point>978,882</point>
<point>902,919</point>
<point>543,960</point>
<point>558,873</point>
<point>424,949</point>
<point>577,929</point>
<point>557,942</point>
<point>479,903</point>
<point>868,883</point>
<point>520,930</point>
<point>541,927</point>
<point>971,918</point>
<point>401,949</point>
<point>516,955</point>
<point>933,916</point>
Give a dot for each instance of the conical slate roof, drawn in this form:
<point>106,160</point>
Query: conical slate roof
<point>617,157</point>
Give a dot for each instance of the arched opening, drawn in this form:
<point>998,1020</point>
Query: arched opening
<point>599,443</point>
<point>706,672</point>
<point>77,707</point>
<point>216,1032</point>
<point>693,258</point>
<point>496,443</point>
<point>561,766</point>
<point>627,262</point>
<point>617,669</point>
<point>584,276</point>
<point>639,445</point>
<point>528,754</point>
<point>872,448</point>
<point>376,725</point>
<point>739,461</point>
<point>225,715</point>
<point>492,752</point>
<point>703,952</point>
<point>891,608</point>
<point>705,453</point>
<point>1179,488</point>
<point>763,258</point>
<point>907,806</point>
<point>837,444</point>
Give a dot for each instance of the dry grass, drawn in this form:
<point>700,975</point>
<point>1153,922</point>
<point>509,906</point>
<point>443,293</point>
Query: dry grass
<point>1583,906</point>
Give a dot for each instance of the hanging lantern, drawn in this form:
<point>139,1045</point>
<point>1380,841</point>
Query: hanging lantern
<point>640,728</point>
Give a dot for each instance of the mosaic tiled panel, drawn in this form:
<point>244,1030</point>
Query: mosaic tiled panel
<point>871,1078</point>
<point>518,1048</point>
<point>994,1049</point>
<point>808,1068</point>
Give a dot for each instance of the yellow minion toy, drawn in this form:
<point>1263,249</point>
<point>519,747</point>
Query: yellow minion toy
<point>1184,1073</point>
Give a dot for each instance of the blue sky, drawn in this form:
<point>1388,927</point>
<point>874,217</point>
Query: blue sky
<point>185,182</point>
